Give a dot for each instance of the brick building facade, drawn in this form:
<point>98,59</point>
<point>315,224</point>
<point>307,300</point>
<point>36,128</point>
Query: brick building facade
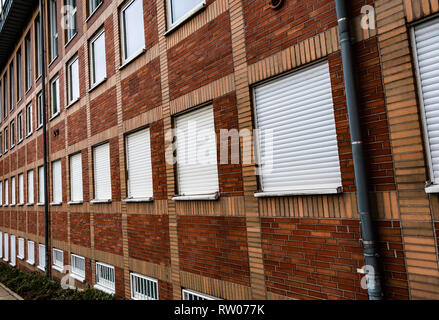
<point>235,246</point>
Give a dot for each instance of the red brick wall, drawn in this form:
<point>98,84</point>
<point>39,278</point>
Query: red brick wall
<point>41,224</point>
<point>80,229</point>
<point>150,21</point>
<point>108,233</point>
<point>148,238</point>
<point>59,225</point>
<point>31,151</point>
<point>58,137</point>
<point>32,222</point>
<point>201,58</point>
<point>77,124</point>
<point>158,160</point>
<point>165,290</point>
<point>21,221</point>
<point>103,111</point>
<point>318,258</point>
<point>115,169</point>
<point>214,247</point>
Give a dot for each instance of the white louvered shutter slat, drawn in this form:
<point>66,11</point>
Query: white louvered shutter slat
<point>102,172</point>
<point>13,251</point>
<point>41,185</point>
<point>196,153</point>
<point>1,193</point>
<point>427,52</point>
<point>76,186</point>
<point>295,114</point>
<point>30,187</point>
<point>1,244</point>
<point>21,189</point>
<point>57,183</point>
<point>6,192</point>
<point>140,182</point>
<point>13,191</point>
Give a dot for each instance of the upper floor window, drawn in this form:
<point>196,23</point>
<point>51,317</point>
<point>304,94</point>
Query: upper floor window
<point>71,25</point>
<point>93,5</point>
<point>21,189</point>
<point>102,172</point>
<point>30,252</point>
<point>98,63</point>
<point>73,80</point>
<point>20,127</point>
<point>54,93</point>
<point>132,29</point>
<point>1,144</point>
<point>12,133</point>
<point>41,195</point>
<point>19,76</point>
<point>76,193</point>
<point>57,182</point>
<point>40,110</point>
<point>42,257</point>
<point>13,192</point>
<point>53,29</point>
<point>28,60</point>
<point>30,187</point>
<point>12,85</point>
<point>179,10</point>
<point>29,120</point>
<point>5,96</point>
<point>5,138</point>
<point>38,47</point>
<point>6,188</point>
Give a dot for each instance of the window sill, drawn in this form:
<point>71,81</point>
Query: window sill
<point>75,203</point>
<point>92,14</point>
<point>38,78</point>
<point>139,200</point>
<point>71,39</point>
<point>20,141</point>
<point>6,205</point>
<point>30,263</point>
<point>206,197</point>
<point>42,268</point>
<point>185,18</point>
<point>276,194</point>
<point>21,258</point>
<point>40,204</point>
<point>52,62</point>
<point>13,264</point>
<point>20,205</point>
<point>104,289</point>
<point>97,84</point>
<point>12,147</point>
<point>132,58</point>
<point>29,135</point>
<point>5,260</point>
<point>77,278</point>
<point>56,204</point>
<point>432,189</point>
<point>72,103</point>
<point>30,204</point>
<point>108,201</point>
<point>12,205</point>
<point>57,268</point>
<point>55,115</point>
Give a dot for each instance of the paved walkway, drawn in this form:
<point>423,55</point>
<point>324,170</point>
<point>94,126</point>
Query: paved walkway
<point>6,294</point>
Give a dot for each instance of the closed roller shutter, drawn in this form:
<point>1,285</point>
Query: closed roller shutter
<point>139,165</point>
<point>196,153</point>
<point>13,251</point>
<point>6,192</point>
<point>102,173</point>
<point>41,184</point>
<point>13,191</point>
<point>76,178</point>
<point>56,181</point>
<point>6,247</point>
<point>1,244</point>
<point>21,189</point>
<point>1,193</point>
<point>427,53</point>
<point>298,108</point>
<point>30,187</point>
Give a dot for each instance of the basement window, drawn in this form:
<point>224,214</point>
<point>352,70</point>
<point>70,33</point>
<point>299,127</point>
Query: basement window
<point>58,260</point>
<point>30,252</point>
<point>105,278</point>
<point>21,248</point>
<point>143,288</point>
<point>42,257</point>
<point>78,267</point>
<point>193,295</point>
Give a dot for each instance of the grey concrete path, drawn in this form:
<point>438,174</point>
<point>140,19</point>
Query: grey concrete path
<point>6,294</point>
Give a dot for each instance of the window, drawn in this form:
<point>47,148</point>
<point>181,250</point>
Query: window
<point>1,244</point>
<point>93,5</point>
<point>11,85</point>
<point>30,187</point>
<point>5,96</point>
<point>12,133</point>
<point>1,145</point>
<point>53,29</point>
<point>21,248</point>
<point>1,193</point>
<point>298,149</point>
<point>426,36</point>
<point>105,280</point>
<point>29,120</point>
<point>13,252</point>
<point>102,173</point>
<point>41,185</point>
<point>30,252</point>
<point>132,29</point>
<point>21,189</point>
<point>40,110</point>
<point>78,267</point>
<point>5,136</point>
<point>179,10</point>
<point>58,260</point>
<point>76,194</point>
<point>6,244</point>
<point>71,29</point>
<point>19,76</point>
<point>140,185</point>
<point>13,191</point>
<point>73,80</point>
<point>38,47</point>
<point>54,90</point>
<point>6,187</point>
<point>57,182</point>
<point>28,57</point>
<point>143,288</point>
<point>193,295</point>
<point>42,257</point>
<point>20,127</point>
<point>197,168</point>
<point>97,59</point>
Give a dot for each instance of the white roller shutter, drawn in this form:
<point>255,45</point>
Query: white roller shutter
<point>196,153</point>
<point>298,141</point>
<point>139,166</point>
<point>6,246</point>
<point>6,192</point>
<point>13,191</point>
<point>1,193</point>
<point>102,172</point>
<point>427,53</point>
<point>30,187</point>
<point>1,244</point>
<point>13,251</point>
<point>41,184</point>
<point>76,193</point>
<point>21,189</point>
<point>57,181</point>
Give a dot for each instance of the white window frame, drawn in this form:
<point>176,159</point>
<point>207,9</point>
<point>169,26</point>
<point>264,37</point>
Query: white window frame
<point>174,24</point>
<point>55,104</point>
<point>21,189</point>
<point>58,260</point>
<point>29,120</point>
<point>125,58</point>
<point>41,196</point>
<point>186,294</point>
<point>30,187</point>
<point>57,189</point>
<point>42,257</point>
<point>93,80</point>
<point>20,135</point>
<point>96,184</point>
<point>72,82</point>
<point>20,249</point>
<point>13,246</point>
<point>6,139</point>
<point>6,188</point>
<point>30,252</point>
<point>1,245</point>
<point>53,30</point>
<point>92,6</point>
<point>71,32</point>
<point>75,272</point>
<point>6,247</point>
<point>1,193</point>
<point>13,191</point>
<point>151,286</point>
<point>40,111</point>
<point>78,199</point>
<point>12,134</point>
<point>102,283</point>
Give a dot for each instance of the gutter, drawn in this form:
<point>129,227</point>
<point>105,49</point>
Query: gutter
<point>368,240</point>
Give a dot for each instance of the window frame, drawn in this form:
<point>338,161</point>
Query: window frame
<point>72,200</point>
<point>96,200</point>
<point>28,61</point>
<point>41,266</point>
<point>11,86</point>
<point>40,110</point>
<point>54,113</point>
<point>19,75</point>
<point>125,59</point>
<point>29,260</point>
<point>20,135</point>
<point>96,7</point>
<point>21,189</point>
<point>75,272</point>
<point>20,249</point>
<point>30,200</point>
<point>58,265</point>
<point>70,34</point>
<point>12,134</point>
<point>203,296</point>
<point>173,25</point>
<point>94,82</point>
<point>29,120</point>
<point>153,282</point>
<point>53,30</point>
<point>110,289</point>
<point>54,177</point>
<point>70,81</point>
